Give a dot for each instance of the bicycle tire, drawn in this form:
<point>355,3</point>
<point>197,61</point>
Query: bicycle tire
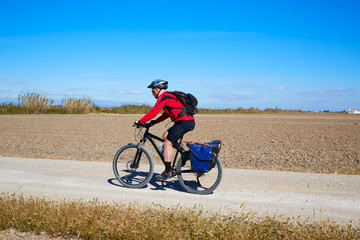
<point>199,182</point>
<point>129,175</point>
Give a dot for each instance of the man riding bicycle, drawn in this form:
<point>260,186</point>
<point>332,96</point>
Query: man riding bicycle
<point>174,110</point>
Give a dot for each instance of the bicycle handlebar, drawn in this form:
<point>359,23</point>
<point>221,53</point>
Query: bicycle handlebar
<point>145,125</point>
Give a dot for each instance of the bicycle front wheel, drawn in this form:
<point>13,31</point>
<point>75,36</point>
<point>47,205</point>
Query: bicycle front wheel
<point>133,166</point>
<point>199,182</point>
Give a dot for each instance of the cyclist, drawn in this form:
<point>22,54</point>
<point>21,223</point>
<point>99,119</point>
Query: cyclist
<point>174,110</point>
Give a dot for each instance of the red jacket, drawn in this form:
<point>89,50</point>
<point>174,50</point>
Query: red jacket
<point>173,108</point>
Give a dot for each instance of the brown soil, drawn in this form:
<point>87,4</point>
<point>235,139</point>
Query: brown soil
<point>326,143</point>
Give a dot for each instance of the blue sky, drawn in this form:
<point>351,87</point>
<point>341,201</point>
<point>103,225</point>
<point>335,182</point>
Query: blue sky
<point>287,54</point>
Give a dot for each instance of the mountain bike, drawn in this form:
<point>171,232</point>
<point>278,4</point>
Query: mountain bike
<point>133,165</point>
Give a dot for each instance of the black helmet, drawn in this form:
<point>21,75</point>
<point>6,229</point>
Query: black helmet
<point>158,83</point>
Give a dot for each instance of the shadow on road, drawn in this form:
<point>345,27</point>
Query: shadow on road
<point>154,185</point>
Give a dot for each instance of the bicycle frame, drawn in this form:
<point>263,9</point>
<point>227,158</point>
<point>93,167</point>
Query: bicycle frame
<point>149,136</point>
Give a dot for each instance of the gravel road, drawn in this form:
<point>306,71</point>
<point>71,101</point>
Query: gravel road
<point>310,195</point>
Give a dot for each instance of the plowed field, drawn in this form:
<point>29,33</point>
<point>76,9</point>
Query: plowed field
<point>326,143</point>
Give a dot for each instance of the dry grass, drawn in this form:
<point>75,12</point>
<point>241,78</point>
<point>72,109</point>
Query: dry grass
<point>96,220</point>
<point>128,109</point>
<point>251,110</point>
<point>77,105</point>
<point>34,102</point>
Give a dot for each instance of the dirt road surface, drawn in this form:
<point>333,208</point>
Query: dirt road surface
<point>312,196</point>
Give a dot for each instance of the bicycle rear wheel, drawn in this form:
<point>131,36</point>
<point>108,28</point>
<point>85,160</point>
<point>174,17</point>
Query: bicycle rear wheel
<point>133,166</point>
<point>199,182</point>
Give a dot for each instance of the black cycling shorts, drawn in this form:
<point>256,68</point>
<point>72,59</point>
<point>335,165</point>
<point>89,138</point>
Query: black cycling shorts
<point>179,129</point>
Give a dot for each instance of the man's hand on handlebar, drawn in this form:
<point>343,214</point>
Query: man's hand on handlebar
<point>138,124</point>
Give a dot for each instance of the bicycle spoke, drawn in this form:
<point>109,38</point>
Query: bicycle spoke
<point>199,182</point>
<point>135,172</point>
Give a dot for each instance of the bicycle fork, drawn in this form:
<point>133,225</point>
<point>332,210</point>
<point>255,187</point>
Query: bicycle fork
<point>136,161</point>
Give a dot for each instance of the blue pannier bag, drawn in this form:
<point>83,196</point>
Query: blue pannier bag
<point>202,156</point>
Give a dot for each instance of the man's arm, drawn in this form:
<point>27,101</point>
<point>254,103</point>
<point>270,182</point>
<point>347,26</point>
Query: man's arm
<point>162,118</point>
<point>153,112</point>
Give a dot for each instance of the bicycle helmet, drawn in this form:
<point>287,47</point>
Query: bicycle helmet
<point>158,83</point>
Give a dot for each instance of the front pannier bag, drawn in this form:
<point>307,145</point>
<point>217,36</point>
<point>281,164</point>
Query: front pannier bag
<point>203,155</point>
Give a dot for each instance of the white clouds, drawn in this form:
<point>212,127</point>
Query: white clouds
<point>20,82</point>
<point>77,89</point>
<point>254,85</point>
<point>325,93</point>
<point>233,96</point>
<point>279,89</point>
<point>128,92</point>
<point>332,91</point>
<point>206,34</point>
<point>59,94</point>
<point>1,78</point>
<point>71,89</point>
<point>94,75</point>
<point>237,95</point>
<point>244,94</point>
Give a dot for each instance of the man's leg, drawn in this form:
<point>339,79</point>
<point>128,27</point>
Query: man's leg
<point>167,157</point>
<point>170,138</point>
<point>168,153</point>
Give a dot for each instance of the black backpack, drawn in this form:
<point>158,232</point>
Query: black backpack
<point>188,100</point>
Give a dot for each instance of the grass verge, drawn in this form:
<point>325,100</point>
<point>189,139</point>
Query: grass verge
<point>97,220</point>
